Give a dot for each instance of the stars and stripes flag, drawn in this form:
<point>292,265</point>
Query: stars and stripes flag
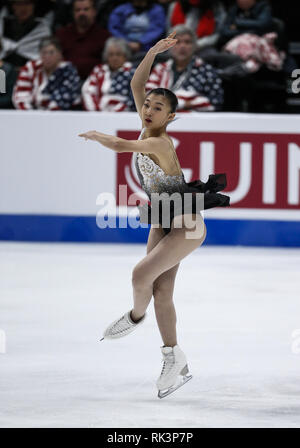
<point>34,89</point>
<point>105,90</point>
<point>198,88</point>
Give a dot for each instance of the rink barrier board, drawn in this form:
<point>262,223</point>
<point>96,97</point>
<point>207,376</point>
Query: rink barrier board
<point>36,228</point>
<point>51,180</point>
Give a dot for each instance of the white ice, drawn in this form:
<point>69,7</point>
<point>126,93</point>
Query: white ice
<point>238,313</point>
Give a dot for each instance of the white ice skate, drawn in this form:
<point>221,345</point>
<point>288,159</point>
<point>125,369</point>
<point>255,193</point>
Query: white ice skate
<point>175,372</point>
<point>121,327</point>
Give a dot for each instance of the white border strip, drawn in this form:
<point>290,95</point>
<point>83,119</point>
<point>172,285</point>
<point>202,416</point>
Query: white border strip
<point>215,213</point>
<point>233,213</point>
<point>191,122</point>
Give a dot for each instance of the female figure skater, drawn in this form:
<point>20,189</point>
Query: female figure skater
<point>159,171</point>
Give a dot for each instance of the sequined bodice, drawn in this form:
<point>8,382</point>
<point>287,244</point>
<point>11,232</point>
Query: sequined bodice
<point>153,179</point>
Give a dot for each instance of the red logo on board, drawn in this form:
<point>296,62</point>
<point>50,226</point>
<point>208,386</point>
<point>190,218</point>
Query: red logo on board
<point>263,170</point>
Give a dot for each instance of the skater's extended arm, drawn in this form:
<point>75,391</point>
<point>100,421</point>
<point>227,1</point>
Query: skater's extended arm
<point>117,144</point>
<point>142,72</point>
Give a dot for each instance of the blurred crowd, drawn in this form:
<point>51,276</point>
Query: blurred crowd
<point>231,55</point>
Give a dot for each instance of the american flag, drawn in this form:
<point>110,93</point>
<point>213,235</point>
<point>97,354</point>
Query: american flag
<point>35,90</point>
<point>198,88</point>
<point>105,90</point>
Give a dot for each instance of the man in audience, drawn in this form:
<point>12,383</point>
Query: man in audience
<point>196,84</point>
<point>140,22</point>
<point>48,83</point>
<point>21,32</point>
<point>83,41</point>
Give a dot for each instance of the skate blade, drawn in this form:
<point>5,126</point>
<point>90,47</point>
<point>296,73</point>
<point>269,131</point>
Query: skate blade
<point>183,380</point>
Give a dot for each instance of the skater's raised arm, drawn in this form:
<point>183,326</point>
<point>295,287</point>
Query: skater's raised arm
<point>151,144</point>
<point>142,72</point>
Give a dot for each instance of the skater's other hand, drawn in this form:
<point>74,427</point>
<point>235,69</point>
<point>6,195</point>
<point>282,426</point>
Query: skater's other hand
<point>90,135</point>
<point>164,44</point>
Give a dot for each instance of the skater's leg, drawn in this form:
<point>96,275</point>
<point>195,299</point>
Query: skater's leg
<point>169,251</point>
<point>155,235</point>
<point>163,289</point>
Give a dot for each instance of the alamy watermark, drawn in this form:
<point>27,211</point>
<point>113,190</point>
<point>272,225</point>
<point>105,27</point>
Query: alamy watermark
<point>163,210</point>
<point>2,342</point>
<point>2,81</point>
<point>296,82</point>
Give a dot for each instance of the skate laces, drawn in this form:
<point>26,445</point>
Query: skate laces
<point>168,362</point>
<point>122,325</point>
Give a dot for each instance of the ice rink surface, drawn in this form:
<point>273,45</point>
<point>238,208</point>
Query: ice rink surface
<point>238,312</point>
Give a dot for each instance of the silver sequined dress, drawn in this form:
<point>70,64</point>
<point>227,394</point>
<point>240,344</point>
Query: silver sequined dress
<point>154,180</point>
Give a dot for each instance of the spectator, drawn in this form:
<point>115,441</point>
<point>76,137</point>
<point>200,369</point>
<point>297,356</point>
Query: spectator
<point>204,17</point>
<point>49,83</point>
<point>259,77</point>
<point>21,32</point>
<point>196,84</point>
<point>64,13</point>
<point>9,75</point>
<point>250,26</point>
<point>140,22</point>
<point>246,16</point>
<point>108,86</point>
<point>83,41</point>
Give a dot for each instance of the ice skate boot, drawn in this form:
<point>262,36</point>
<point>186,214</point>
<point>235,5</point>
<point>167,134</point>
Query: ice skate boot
<point>175,372</point>
<point>122,327</point>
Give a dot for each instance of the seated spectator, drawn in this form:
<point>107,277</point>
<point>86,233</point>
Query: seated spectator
<point>204,17</point>
<point>108,86</point>
<point>49,83</point>
<point>246,16</point>
<point>256,78</point>
<point>83,41</point>
<point>8,78</point>
<point>64,14</point>
<point>21,32</point>
<point>196,84</point>
<point>249,24</point>
<point>140,22</point>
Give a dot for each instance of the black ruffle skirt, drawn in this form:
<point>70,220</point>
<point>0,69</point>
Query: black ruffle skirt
<point>209,198</point>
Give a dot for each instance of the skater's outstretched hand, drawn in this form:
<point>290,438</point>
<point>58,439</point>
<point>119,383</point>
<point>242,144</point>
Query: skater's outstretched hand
<point>164,44</point>
<point>90,135</point>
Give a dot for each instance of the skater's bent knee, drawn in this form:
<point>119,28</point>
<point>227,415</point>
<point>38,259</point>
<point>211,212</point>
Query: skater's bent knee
<point>139,278</point>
